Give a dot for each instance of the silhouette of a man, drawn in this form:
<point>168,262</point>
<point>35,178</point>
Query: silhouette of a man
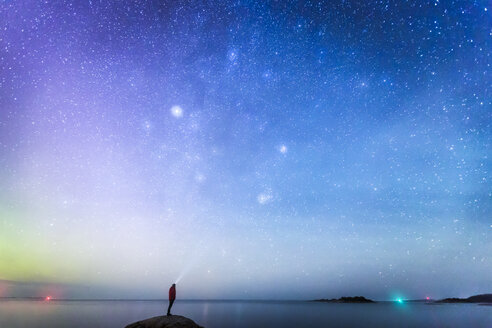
<point>172,297</point>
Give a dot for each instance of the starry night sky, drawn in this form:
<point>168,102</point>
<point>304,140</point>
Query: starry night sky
<point>248,149</point>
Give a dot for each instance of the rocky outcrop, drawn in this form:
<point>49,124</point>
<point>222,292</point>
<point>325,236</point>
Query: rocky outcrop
<point>172,321</point>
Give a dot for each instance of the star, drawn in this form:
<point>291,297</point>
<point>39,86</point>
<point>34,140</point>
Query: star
<point>177,111</point>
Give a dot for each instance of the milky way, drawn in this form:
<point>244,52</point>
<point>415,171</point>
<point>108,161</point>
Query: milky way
<point>250,149</point>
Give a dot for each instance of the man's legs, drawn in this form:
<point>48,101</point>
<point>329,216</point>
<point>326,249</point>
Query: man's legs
<point>169,308</point>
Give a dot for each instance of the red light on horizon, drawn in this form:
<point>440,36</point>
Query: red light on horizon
<point>427,298</point>
<point>48,298</point>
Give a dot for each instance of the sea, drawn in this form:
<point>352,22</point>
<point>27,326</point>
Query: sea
<point>15,313</point>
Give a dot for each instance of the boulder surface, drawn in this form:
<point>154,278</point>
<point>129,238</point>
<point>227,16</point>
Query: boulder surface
<point>172,321</point>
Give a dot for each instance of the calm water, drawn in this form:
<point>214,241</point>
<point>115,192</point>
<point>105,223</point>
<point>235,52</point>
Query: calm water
<point>222,314</point>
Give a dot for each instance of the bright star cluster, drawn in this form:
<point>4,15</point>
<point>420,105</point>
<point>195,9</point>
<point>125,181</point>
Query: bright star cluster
<point>249,149</point>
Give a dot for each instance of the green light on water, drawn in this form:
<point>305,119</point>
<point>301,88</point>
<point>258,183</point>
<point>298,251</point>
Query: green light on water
<point>399,300</point>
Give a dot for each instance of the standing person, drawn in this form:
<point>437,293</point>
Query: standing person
<point>172,297</point>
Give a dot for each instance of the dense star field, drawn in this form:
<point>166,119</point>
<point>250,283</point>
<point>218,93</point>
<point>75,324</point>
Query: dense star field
<point>248,149</point>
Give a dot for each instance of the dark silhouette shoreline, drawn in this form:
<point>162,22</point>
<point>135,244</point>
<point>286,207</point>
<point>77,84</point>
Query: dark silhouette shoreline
<point>482,298</point>
<point>345,299</point>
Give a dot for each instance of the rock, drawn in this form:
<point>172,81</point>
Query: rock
<point>172,321</point>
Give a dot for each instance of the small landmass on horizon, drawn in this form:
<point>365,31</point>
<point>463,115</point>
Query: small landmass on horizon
<point>346,299</point>
<point>482,298</point>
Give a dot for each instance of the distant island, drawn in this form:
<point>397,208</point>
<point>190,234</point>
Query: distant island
<point>355,299</point>
<point>482,298</point>
<point>486,299</point>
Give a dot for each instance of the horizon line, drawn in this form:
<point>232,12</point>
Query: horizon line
<point>41,298</point>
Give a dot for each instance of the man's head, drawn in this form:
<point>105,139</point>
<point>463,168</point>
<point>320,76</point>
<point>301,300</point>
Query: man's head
<point>174,285</point>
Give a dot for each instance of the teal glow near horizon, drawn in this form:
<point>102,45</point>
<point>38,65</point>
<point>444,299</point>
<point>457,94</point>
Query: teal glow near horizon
<point>245,149</point>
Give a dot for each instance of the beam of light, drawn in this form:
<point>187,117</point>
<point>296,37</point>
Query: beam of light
<point>193,263</point>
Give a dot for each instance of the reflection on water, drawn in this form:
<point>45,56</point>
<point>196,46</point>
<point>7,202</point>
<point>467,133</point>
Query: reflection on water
<point>230,314</point>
